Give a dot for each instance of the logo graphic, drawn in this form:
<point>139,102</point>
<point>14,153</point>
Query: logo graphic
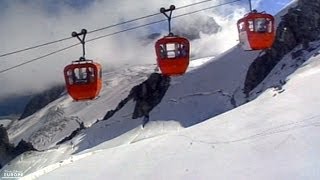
<point>11,174</point>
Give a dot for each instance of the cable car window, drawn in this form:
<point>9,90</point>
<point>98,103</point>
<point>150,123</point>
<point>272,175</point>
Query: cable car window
<point>270,24</point>
<point>90,74</point>
<point>181,50</point>
<point>260,25</point>
<point>242,26</point>
<point>163,53</point>
<point>250,22</point>
<point>70,76</point>
<point>171,50</point>
<point>100,74</point>
<point>80,75</point>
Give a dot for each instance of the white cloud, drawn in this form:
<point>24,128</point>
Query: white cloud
<point>29,23</point>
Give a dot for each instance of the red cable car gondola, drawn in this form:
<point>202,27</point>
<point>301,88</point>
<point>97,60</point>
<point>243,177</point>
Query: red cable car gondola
<point>172,51</point>
<point>172,55</point>
<point>256,31</point>
<point>83,77</point>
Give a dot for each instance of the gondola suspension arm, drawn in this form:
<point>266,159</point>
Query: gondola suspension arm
<point>83,33</point>
<point>169,16</point>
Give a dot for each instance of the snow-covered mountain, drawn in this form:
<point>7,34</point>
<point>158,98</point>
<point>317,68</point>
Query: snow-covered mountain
<point>274,136</point>
<point>197,131</point>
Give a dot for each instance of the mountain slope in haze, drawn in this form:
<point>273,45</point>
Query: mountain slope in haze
<point>59,118</point>
<point>12,107</point>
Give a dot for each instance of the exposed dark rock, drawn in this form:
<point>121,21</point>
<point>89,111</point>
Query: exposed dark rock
<point>22,147</point>
<point>5,146</point>
<point>296,54</point>
<point>8,151</point>
<point>147,95</point>
<point>300,25</point>
<point>4,139</point>
<point>41,100</point>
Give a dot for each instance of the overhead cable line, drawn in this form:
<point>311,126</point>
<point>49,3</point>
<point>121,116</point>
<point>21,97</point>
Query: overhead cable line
<point>38,58</point>
<point>34,47</point>
<point>96,30</point>
<point>155,22</point>
<point>114,33</point>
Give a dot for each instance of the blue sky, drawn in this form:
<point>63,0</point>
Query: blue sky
<point>271,6</point>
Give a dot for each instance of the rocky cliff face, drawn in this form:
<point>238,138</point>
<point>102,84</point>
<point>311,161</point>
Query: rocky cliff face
<point>299,26</point>
<point>8,151</point>
<point>40,100</point>
<point>5,146</point>
<point>146,95</point>
<point>149,94</point>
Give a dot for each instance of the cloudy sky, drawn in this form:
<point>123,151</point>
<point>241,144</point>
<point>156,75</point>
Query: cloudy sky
<point>26,23</point>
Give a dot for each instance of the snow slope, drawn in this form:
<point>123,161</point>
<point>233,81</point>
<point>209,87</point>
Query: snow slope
<point>5,122</point>
<point>275,136</point>
<point>120,134</point>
